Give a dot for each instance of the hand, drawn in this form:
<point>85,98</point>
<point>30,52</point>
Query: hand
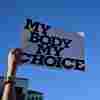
<point>15,55</point>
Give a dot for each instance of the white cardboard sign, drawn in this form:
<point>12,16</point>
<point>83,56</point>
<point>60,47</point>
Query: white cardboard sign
<point>45,45</point>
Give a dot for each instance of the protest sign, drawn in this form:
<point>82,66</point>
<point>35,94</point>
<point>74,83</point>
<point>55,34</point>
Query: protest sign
<point>44,45</point>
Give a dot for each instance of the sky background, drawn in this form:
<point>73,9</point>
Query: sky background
<point>72,16</point>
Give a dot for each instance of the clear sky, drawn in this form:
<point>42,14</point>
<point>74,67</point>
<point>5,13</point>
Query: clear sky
<point>74,15</point>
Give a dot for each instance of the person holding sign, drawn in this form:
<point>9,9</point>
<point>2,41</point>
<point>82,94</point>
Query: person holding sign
<point>13,61</point>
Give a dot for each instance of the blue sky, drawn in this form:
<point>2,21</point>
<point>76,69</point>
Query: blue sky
<point>70,15</point>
